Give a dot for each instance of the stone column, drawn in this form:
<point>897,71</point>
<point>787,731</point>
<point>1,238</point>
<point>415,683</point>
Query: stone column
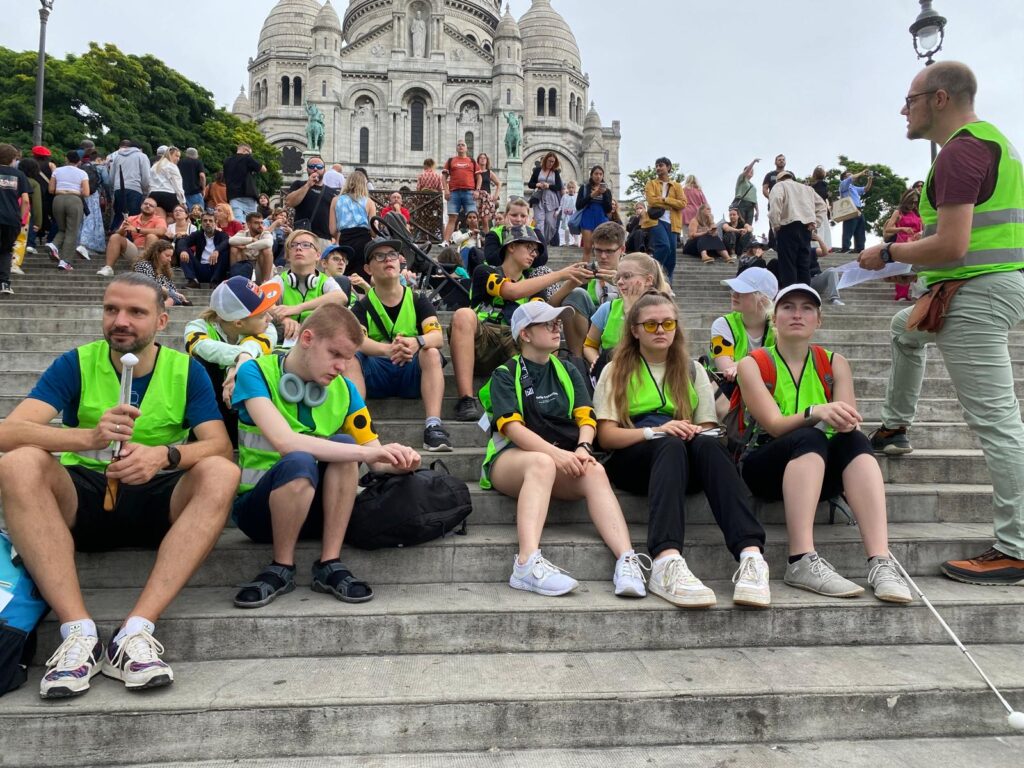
<point>513,178</point>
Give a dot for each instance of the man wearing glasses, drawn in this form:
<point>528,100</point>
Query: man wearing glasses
<point>303,286</point>
<point>311,200</point>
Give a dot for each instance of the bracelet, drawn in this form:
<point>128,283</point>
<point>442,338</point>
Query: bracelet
<point>586,447</point>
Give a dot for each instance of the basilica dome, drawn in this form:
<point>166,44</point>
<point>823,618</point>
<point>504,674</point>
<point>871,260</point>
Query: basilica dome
<point>288,25</point>
<point>327,19</point>
<point>547,38</point>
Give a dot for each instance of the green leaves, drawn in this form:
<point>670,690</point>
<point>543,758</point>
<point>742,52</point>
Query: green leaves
<point>107,95</point>
<point>640,177</point>
<point>885,194</point>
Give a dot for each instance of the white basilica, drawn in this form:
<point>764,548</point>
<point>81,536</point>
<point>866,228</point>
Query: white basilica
<point>401,80</point>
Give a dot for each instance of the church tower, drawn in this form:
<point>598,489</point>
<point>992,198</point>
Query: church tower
<point>507,88</point>
<point>325,75</point>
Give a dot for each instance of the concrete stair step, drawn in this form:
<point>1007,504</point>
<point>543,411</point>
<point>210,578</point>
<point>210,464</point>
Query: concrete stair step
<point>465,701</point>
<point>484,554</point>
<point>471,617</point>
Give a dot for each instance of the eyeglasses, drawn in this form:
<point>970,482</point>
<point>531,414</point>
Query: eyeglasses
<point>623,276</point>
<point>315,166</point>
<point>303,245</point>
<point>605,251</point>
<point>551,325</point>
<point>337,259</point>
<point>652,326</point>
<point>380,258</point>
<point>910,97</point>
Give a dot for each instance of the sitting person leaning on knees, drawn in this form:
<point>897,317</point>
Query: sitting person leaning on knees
<point>254,245</point>
<point>740,332</point>
<point>155,264</point>
<point>805,447</point>
<point>541,447</point>
<point>135,233</point>
<point>606,245</point>
<point>303,287</point>
<point>303,432</point>
<point>400,355</point>
<point>235,328</point>
<point>637,273</point>
<point>161,493</point>
<point>333,263</point>
<point>704,238</point>
<point>652,404</point>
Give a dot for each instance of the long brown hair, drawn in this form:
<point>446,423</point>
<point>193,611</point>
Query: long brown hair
<point>628,361</point>
<point>152,255</point>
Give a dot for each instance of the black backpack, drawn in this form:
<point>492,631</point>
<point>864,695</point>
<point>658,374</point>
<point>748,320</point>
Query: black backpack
<point>409,509</point>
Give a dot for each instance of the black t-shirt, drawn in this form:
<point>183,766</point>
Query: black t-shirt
<point>321,223</point>
<point>485,295</point>
<point>552,401</point>
<point>421,304</point>
<point>769,179</point>
<point>190,170</point>
<point>238,176</point>
<point>13,184</point>
<point>821,187</point>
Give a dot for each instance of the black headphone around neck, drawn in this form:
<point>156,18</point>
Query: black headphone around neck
<point>294,390</point>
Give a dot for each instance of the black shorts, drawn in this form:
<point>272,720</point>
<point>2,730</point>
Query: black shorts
<point>140,518</point>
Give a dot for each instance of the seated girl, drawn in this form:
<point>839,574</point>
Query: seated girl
<point>804,446</point>
<point>652,405</point>
<point>541,448</point>
<point>155,262</point>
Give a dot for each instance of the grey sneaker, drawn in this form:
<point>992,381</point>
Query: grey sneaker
<point>885,579</point>
<point>541,576</point>
<point>891,442</point>
<point>815,574</point>
<point>672,580</point>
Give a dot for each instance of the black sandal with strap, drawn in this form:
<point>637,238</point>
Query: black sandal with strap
<point>272,581</point>
<point>334,578</point>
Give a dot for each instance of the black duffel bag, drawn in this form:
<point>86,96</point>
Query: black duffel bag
<point>403,510</point>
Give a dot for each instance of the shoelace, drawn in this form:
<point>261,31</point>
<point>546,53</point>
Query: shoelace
<point>545,566</point>
<point>678,571</point>
<point>72,653</point>
<point>635,566</point>
<point>141,647</point>
<point>824,569</point>
<point>889,569</point>
<point>747,570</point>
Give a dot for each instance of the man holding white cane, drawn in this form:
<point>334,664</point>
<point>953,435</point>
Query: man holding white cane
<point>160,492</point>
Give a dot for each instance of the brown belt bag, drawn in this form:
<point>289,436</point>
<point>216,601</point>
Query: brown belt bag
<point>929,312</point>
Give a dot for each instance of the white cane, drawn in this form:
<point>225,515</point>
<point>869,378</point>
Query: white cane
<point>128,363</point>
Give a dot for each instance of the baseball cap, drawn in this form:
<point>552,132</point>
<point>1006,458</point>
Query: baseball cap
<point>533,312</point>
<point>784,175</point>
<point>380,242</point>
<point>797,288</point>
<point>40,151</point>
<point>239,297</point>
<point>162,149</point>
<point>754,279</point>
<point>755,244</point>
<point>347,251</point>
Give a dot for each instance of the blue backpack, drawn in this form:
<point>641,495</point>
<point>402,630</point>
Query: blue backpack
<point>21,610</point>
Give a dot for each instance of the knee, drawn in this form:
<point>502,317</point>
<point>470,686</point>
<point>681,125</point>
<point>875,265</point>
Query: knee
<point>671,447</point>
<point>215,474</point>
<point>430,359</point>
<point>464,321</point>
<point>808,440</point>
<point>25,465</point>
<point>541,467</point>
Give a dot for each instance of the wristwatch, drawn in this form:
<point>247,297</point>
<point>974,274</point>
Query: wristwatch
<point>173,457</point>
<point>648,433</point>
<point>421,341</point>
<point>885,255</point>
<point>587,447</point>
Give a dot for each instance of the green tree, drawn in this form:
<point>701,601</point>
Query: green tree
<point>107,95</point>
<point>886,190</point>
<point>640,177</point>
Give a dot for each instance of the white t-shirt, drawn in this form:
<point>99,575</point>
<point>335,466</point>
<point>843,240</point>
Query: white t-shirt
<point>722,342</point>
<point>334,179</point>
<point>705,413</point>
<point>667,215</point>
<point>69,178</point>
<point>207,251</point>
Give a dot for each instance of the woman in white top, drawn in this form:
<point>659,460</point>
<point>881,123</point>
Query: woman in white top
<point>179,228</point>
<point>69,186</point>
<point>165,185</point>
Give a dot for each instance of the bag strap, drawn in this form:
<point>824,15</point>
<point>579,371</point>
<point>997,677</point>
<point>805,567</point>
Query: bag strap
<point>767,367</point>
<point>371,310</point>
<point>823,367</point>
<point>317,206</point>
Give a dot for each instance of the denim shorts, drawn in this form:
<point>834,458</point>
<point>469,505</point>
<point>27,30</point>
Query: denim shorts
<point>385,379</point>
<point>461,200</point>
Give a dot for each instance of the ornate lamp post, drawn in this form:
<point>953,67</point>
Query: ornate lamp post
<point>44,15</point>
<point>928,32</point>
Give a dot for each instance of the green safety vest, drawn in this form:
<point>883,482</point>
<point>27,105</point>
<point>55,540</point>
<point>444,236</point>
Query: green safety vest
<point>645,396</point>
<point>740,338</point>
<point>256,454</point>
<point>788,397</point>
<point>405,325</point>
<point>497,442</point>
<point>162,417</point>
<point>293,296</point>
<point>491,309</point>
<point>613,328</point>
<point>997,229</point>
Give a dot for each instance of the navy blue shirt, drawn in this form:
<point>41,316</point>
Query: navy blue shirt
<point>61,386</point>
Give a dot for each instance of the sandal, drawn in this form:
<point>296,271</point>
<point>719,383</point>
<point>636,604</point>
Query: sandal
<point>730,259</point>
<point>707,260</point>
<point>272,581</point>
<point>334,578</point>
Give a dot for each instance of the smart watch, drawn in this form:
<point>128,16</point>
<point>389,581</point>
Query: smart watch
<point>173,457</point>
<point>421,341</point>
<point>885,255</point>
<point>648,433</point>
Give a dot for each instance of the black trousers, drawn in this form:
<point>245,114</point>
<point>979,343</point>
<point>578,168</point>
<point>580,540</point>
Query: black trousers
<point>763,468</point>
<point>793,243</point>
<point>668,468</point>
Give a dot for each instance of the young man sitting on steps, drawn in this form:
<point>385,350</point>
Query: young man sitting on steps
<point>161,493</point>
<point>401,353</point>
<point>303,430</point>
<point>303,287</point>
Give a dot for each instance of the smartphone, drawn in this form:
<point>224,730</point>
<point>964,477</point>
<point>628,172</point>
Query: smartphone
<point>593,266</point>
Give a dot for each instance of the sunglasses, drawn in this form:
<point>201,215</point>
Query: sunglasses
<point>652,326</point>
<point>315,166</point>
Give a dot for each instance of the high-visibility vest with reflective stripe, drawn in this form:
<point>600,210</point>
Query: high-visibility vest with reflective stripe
<point>256,454</point>
<point>162,410</point>
<point>997,228</point>
<point>404,325</point>
<point>793,397</point>
<point>292,297</point>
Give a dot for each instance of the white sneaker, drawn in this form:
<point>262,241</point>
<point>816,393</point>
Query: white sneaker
<point>629,574</point>
<point>136,662</point>
<point>105,271</point>
<point>63,266</point>
<point>16,270</point>
<point>540,576</point>
<point>72,666</point>
<point>672,580</point>
<point>83,252</point>
<point>751,580</point>
<point>52,251</point>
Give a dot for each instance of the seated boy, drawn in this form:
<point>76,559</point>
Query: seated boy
<point>303,287</point>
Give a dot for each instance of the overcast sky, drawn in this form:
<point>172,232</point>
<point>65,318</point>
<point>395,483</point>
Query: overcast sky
<point>725,82</point>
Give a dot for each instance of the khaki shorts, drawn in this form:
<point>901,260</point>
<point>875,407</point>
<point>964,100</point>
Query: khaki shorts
<point>492,346</point>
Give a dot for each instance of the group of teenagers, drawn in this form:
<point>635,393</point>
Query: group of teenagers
<point>157,471</point>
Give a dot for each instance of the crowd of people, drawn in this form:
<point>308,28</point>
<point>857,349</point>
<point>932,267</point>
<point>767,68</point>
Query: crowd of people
<point>590,381</point>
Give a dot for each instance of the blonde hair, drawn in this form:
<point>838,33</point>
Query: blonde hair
<point>691,182</point>
<point>516,202</point>
<point>296,233</point>
<point>648,266</point>
<point>330,319</point>
<point>355,186</point>
<point>225,209</point>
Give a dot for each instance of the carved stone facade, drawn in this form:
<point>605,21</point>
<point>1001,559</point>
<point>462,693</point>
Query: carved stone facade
<point>402,80</point>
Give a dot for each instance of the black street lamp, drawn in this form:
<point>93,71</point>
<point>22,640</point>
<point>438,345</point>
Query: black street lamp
<point>929,32</point>
<point>44,15</point>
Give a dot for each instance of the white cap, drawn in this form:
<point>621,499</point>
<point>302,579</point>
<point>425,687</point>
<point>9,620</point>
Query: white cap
<point>798,288</point>
<point>533,312</point>
<point>754,279</point>
<point>161,150</point>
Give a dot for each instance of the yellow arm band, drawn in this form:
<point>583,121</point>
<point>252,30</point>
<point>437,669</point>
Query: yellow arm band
<point>504,421</point>
<point>591,343</point>
<point>585,416</point>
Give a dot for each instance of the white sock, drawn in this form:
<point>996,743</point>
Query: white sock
<point>744,555</point>
<point>132,626</point>
<point>661,562</point>
<point>84,627</point>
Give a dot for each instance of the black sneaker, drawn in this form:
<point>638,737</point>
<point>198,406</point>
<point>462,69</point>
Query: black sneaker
<point>193,284</point>
<point>891,442</point>
<point>5,287</point>
<point>467,410</point>
<point>436,438</point>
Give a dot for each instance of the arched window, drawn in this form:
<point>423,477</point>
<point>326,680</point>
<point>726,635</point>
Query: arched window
<point>553,102</point>
<point>487,47</point>
<point>572,106</point>
<point>508,51</point>
<point>285,88</point>
<point>540,102</point>
<point>297,90</point>
<point>325,42</point>
<point>508,95</point>
<point>323,87</point>
<point>469,144</point>
<point>364,146</point>
<point>471,37</point>
<point>416,110</point>
<point>579,111</point>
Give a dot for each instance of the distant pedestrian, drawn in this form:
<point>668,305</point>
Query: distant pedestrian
<point>240,177</point>
<point>193,177</point>
<point>794,210</point>
<point>854,229</point>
